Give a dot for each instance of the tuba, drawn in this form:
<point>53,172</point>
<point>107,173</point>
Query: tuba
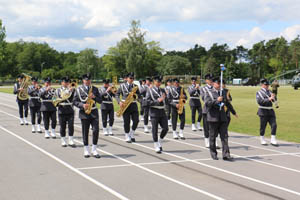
<point>23,94</point>
<point>90,101</point>
<point>181,102</point>
<point>130,98</point>
<point>65,94</point>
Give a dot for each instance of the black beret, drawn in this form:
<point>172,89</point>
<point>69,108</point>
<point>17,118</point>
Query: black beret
<point>47,80</point>
<point>194,78</point>
<point>149,79</point>
<point>66,79</point>
<point>157,78</point>
<point>86,76</point>
<point>216,80</point>
<point>21,76</point>
<point>169,80</point>
<point>130,75</point>
<point>208,77</point>
<point>35,79</point>
<point>176,80</point>
<point>264,82</point>
<point>106,81</point>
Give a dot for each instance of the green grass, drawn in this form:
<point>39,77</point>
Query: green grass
<point>288,115</point>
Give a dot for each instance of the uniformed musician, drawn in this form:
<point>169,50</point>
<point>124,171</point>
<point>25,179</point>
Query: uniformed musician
<point>145,105</point>
<point>265,100</point>
<point>167,103</point>
<point>35,105</point>
<point>83,93</point>
<point>141,88</point>
<point>107,107</point>
<point>47,108</point>
<point>195,104</point>
<point>217,120</point>
<point>131,112</point>
<point>173,98</point>
<point>155,98</point>
<point>66,111</point>
<point>22,103</point>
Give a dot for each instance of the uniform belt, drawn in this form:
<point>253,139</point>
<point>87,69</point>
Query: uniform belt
<point>158,107</point>
<point>124,101</point>
<point>46,100</point>
<point>195,98</point>
<point>66,104</point>
<point>108,102</point>
<point>144,98</point>
<point>175,101</point>
<point>264,107</point>
<point>93,108</point>
<point>34,97</point>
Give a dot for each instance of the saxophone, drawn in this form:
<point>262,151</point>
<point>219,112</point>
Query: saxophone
<point>90,101</point>
<point>23,94</point>
<point>130,98</point>
<point>181,102</point>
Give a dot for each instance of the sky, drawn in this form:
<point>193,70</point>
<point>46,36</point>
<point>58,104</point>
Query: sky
<point>73,25</point>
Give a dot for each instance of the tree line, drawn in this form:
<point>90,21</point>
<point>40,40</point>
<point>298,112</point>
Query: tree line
<point>147,58</point>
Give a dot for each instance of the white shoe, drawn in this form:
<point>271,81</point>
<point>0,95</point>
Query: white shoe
<point>194,127</point>
<point>157,147</point>
<point>38,128</point>
<point>149,118</point>
<point>53,135</point>
<point>25,121</point>
<point>86,151</point>
<point>110,131</point>
<point>131,135</point>
<point>169,123</point>
<point>175,135</point>
<point>146,130</point>
<point>47,134</point>
<point>217,146</point>
<point>199,126</point>
<point>33,130</point>
<point>71,141</point>
<point>63,142</point>
<point>262,140</point>
<point>273,140</point>
<point>94,151</point>
<point>21,121</point>
<point>105,132</point>
<point>206,141</point>
<point>181,134</point>
<point>142,118</point>
<point>127,138</point>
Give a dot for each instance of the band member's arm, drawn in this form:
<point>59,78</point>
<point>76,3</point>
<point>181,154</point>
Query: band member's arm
<point>118,95</point>
<point>43,92</point>
<point>230,108</point>
<point>16,91</point>
<point>170,99</point>
<point>76,100</point>
<point>192,90</point>
<point>202,93</point>
<point>150,100</point>
<point>31,90</point>
<point>96,93</point>
<point>210,102</point>
<point>262,101</point>
<point>185,96</point>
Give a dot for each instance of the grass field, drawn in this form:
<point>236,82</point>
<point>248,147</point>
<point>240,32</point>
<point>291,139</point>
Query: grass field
<point>288,115</point>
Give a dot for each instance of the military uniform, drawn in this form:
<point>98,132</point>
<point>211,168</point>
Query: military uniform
<point>158,115</point>
<point>217,122</point>
<point>66,115</point>
<point>131,112</point>
<point>195,105</point>
<point>173,98</point>
<point>22,104</point>
<point>48,110</point>
<point>266,114</point>
<point>35,108</point>
<point>141,88</point>
<point>229,108</point>
<point>87,120</point>
<point>168,105</point>
<point>107,109</point>
<point>145,107</point>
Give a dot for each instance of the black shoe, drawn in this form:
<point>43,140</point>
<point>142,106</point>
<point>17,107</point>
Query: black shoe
<point>86,156</point>
<point>40,132</point>
<point>33,132</point>
<point>73,146</point>
<point>97,156</point>
<point>64,145</point>
<point>215,157</point>
<point>158,152</point>
<point>161,149</point>
<point>228,158</point>
<point>132,139</point>
<point>275,145</point>
<point>182,138</point>
<point>217,147</point>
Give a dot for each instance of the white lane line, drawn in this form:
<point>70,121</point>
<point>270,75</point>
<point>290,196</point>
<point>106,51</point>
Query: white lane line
<point>146,169</point>
<point>142,164</point>
<point>220,169</point>
<point>118,195</point>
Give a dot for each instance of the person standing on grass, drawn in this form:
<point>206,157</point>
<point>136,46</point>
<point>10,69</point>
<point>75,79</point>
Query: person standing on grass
<point>195,103</point>
<point>265,100</point>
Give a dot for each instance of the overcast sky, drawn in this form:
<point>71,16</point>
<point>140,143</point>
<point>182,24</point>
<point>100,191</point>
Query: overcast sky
<point>72,25</point>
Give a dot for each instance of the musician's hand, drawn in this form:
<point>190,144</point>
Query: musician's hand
<point>92,96</point>
<point>108,89</point>
<point>160,99</point>
<point>197,86</point>
<point>121,104</point>
<point>236,116</point>
<point>271,99</point>
<point>177,105</point>
<point>220,99</point>
<point>85,106</point>
<point>20,89</point>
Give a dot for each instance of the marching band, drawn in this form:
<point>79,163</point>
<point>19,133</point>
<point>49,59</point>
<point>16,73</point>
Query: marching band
<point>163,106</point>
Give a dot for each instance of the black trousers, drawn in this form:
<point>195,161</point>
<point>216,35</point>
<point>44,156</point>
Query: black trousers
<point>216,128</point>
<point>142,110</point>
<point>194,109</point>
<point>23,108</point>
<point>105,114</point>
<point>264,120</point>
<point>163,122</point>
<point>86,123</point>
<point>47,116</point>
<point>146,114</point>
<point>175,118</point>
<point>205,125</point>
<point>35,112</point>
<point>168,111</point>
<point>134,116</point>
<point>65,119</point>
